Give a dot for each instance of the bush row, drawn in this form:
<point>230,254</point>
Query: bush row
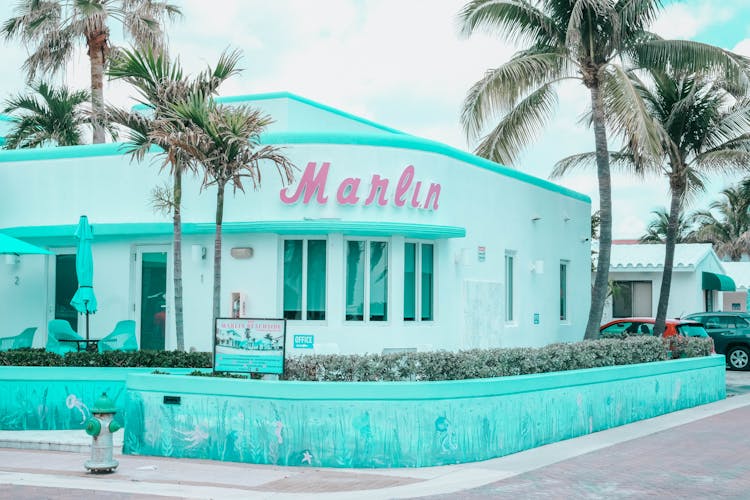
<point>414,366</point>
<point>163,359</point>
<point>486,363</point>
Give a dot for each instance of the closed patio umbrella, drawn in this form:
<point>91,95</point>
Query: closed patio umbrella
<point>12,246</point>
<point>84,300</point>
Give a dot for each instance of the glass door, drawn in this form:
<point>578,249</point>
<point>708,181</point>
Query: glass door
<point>63,284</point>
<point>151,303</point>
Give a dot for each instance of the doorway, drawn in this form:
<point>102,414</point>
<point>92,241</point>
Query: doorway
<point>151,297</point>
<point>63,284</point>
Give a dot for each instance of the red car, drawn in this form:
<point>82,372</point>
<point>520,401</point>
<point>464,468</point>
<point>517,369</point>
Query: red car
<point>645,326</point>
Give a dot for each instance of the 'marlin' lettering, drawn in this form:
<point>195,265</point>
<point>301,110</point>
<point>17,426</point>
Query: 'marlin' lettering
<point>313,183</point>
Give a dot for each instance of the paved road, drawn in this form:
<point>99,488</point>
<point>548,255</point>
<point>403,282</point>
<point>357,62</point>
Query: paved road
<point>702,452</point>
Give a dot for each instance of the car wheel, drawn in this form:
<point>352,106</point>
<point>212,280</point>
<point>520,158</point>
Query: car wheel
<point>738,358</point>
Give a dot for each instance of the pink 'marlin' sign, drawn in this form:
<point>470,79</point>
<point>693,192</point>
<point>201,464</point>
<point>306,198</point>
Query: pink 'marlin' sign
<point>407,191</point>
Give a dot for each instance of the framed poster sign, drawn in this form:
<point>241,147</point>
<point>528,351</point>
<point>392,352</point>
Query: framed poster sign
<point>249,345</point>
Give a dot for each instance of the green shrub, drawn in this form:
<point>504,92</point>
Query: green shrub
<point>162,359</point>
<point>487,363</point>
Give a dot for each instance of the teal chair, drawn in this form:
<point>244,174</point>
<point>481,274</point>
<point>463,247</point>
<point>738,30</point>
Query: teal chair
<point>21,341</point>
<point>122,338</point>
<point>59,329</point>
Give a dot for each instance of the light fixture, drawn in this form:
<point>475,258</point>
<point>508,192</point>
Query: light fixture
<point>535,218</point>
<point>198,253</point>
<point>537,267</point>
<point>241,252</point>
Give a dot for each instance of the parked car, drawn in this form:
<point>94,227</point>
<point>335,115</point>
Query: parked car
<point>645,326</point>
<point>731,334</point>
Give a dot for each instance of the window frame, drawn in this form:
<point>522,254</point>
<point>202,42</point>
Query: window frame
<point>304,272</point>
<point>418,282</point>
<point>510,305</point>
<point>564,266</point>
<point>366,278</point>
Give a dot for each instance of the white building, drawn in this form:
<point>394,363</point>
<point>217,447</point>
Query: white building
<point>635,273</point>
<point>385,241</point>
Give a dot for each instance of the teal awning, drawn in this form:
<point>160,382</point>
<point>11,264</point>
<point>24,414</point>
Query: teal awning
<point>716,281</point>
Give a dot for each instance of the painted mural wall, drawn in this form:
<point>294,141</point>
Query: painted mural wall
<point>402,424</point>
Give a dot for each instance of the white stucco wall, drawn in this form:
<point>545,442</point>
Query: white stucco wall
<point>498,212</point>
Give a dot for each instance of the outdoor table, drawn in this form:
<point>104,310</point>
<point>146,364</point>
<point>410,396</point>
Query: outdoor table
<point>91,345</point>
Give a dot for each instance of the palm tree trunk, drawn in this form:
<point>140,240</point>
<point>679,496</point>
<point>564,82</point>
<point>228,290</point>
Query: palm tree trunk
<point>671,241</point>
<point>97,42</point>
<point>217,249</point>
<point>177,249</point>
<point>599,291</point>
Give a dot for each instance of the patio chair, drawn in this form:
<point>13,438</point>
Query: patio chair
<point>59,329</point>
<point>122,338</point>
<point>23,340</point>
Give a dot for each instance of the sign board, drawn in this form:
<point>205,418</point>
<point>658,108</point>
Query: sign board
<point>304,341</point>
<point>481,253</point>
<point>249,345</point>
<point>536,318</point>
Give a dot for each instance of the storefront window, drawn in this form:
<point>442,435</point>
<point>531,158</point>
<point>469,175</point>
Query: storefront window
<point>305,270</point>
<point>418,288</point>
<point>366,263</point>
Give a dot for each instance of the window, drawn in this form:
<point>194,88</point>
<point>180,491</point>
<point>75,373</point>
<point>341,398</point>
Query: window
<point>509,258</point>
<point>419,281</point>
<point>305,279</point>
<point>631,298</point>
<point>563,291</point>
<point>366,280</point>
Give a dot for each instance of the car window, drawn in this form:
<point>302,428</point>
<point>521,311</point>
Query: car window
<point>617,328</point>
<point>691,331</point>
<point>646,329</point>
<point>711,322</point>
<point>734,322</point>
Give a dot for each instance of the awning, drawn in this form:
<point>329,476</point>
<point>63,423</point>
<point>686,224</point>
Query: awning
<point>716,281</point>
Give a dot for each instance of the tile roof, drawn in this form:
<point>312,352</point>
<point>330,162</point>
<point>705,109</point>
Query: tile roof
<point>647,257</point>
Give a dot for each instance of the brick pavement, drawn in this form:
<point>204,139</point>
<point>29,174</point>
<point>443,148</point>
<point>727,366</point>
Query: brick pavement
<point>709,458</point>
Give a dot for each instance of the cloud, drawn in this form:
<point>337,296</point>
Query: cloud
<point>687,20</point>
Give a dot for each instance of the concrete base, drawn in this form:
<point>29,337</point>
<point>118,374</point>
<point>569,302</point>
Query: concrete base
<point>75,441</point>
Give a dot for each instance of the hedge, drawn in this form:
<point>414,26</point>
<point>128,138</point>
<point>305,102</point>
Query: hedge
<point>163,359</point>
<point>414,366</point>
<point>487,363</point>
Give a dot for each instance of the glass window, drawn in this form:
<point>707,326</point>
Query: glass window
<point>66,284</point>
<point>563,291</point>
<point>418,288</point>
<point>366,280</point>
<point>305,270</point>
<point>509,287</point>
<point>631,298</point>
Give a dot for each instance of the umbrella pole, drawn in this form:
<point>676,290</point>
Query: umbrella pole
<point>86,305</point>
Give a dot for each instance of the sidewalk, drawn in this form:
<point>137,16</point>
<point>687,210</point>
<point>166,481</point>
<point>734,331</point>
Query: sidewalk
<point>631,461</point>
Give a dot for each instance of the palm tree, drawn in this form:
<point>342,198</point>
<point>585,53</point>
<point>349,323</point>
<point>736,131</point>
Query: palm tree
<point>225,141</point>
<point>729,231</point>
<point>49,116</point>
<point>704,129</point>
<point>576,40</point>
<point>51,28</point>
<point>656,230</point>
<point>161,83</point>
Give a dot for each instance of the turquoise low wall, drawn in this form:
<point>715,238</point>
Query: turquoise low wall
<point>402,424</point>
<point>59,398</point>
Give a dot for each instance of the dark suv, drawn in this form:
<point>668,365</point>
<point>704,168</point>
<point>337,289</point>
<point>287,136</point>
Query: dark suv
<point>731,334</point>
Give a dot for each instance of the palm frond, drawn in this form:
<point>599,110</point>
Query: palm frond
<point>519,127</point>
<point>516,21</point>
<point>501,88</point>
<point>617,161</point>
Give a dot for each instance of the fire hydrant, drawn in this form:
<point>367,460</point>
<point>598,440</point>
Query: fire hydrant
<point>101,427</point>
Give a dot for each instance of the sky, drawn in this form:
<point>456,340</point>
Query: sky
<point>404,64</point>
